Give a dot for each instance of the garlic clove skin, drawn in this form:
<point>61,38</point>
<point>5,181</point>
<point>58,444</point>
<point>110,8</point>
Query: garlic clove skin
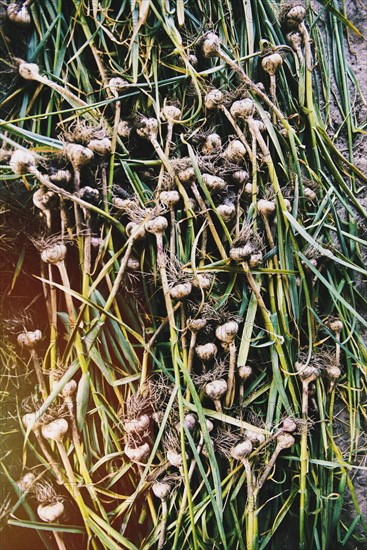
<point>169,198</point>
<point>54,254</point>
<point>29,338</point>
<point>19,15</point>
<point>181,291</point>
<point>161,489</point>
<point>210,45</point>
<point>78,155</point>
<point>241,450</point>
<point>50,512</point>
<point>137,454</point>
<point>271,63</point>
<point>227,332</point>
<point>243,108</point>
<point>235,151</point>
<point>206,352</point>
<point>216,389</point>
<point>55,430</point>
<point>69,389</point>
<point>139,424</point>
<point>22,162</point>
<point>213,99</point>
<point>214,183</point>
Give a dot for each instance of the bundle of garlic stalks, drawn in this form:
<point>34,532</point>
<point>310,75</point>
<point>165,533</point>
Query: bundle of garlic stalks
<point>190,369</point>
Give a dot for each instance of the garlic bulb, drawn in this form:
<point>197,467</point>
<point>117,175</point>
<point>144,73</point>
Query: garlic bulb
<point>156,225</point>
<point>133,264</point>
<point>211,144</point>
<point>22,162</point>
<point>255,260</point>
<point>161,489</point>
<point>42,199</point>
<point>78,155</point>
<point>243,108</point>
<point>170,112</point>
<point>29,71</point>
<point>210,45</point>
<point>89,194</point>
<point>29,338</point>
<point>294,40</point>
<point>174,458</point>
<point>235,151</point>
<point>216,389</point>
<point>309,194</point>
<point>61,177</point>
<point>148,128</point>
<point>244,372</point>
<point>241,450</point>
<point>181,291</point>
<point>271,63</point>
<point>306,373</point>
<point>213,99</point>
<point>203,281</point>
<point>135,230</point>
<point>226,211</point>
<point>187,176</point>
<point>289,425</point>
<point>206,352</point>
<point>240,177</point>
<point>227,332</point>
<point>50,512</point>
<point>335,325</point>
<point>19,15</point>
<point>100,146</point>
<point>137,454</point>
<point>169,198</point>
<point>333,372</point>
<point>241,253</point>
<point>55,430</point>
<point>297,13</point>
<point>124,129</point>
<point>196,324</point>
<point>69,389</point>
<point>285,440</point>
<point>31,419</point>
<point>54,254</point>
<point>265,208</point>
<point>255,438</point>
<point>214,183</point>
<point>139,424</point>
<point>117,85</point>
<point>26,482</point>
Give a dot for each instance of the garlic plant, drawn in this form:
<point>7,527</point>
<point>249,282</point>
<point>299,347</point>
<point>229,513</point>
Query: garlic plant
<point>204,233</point>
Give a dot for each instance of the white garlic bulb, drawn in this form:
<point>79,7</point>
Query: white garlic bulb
<point>227,332</point>
<point>213,99</point>
<point>271,63</point>
<point>180,291</point>
<point>161,489</point>
<point>54,254</point>
<point>55,430</point>
<point>206,352</point>
<point>156,225</point>
<point>22,162</point>
<point>210,45</point>
<point>137,454</point>
<point>214,183</point>
<point>241,450</point>
<point>139,424</point>
<point>216,389</point>
<point>29,338</point>
<point>50,512</point>
<point>19,14</point>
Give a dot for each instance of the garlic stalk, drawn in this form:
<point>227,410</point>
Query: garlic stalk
<point>29,340</point>
<point>226,333</point>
